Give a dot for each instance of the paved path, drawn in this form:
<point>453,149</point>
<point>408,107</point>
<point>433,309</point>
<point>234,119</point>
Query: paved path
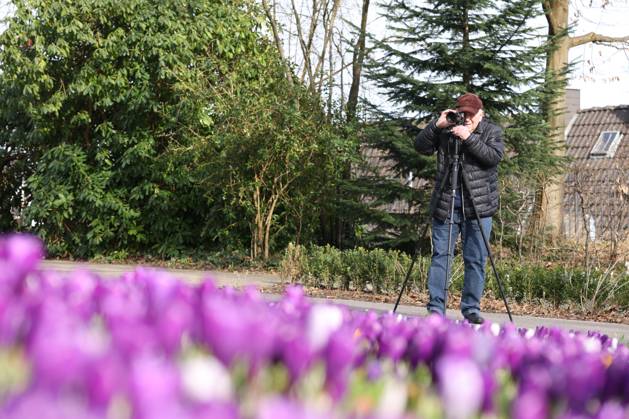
<point>263,280</point>
<point>221,278</point>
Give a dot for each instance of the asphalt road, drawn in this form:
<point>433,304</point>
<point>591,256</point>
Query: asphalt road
<point>262,280</point>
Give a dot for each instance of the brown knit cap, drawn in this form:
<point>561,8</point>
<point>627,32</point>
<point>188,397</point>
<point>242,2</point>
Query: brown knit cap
<point>469,102</point>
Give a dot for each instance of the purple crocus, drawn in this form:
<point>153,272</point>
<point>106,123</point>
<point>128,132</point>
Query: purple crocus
<point>215,410</point>
<point>155,388</point>
<point>282,408</point>
<point>339,355</point>
<point>424,345</point>
<point>374,370</point>
<point>237,331</point>
<point>585,381</point>
<point>460,386</point>
<point>106,377</point>
<point>19,254</point>
<point>612,410</point>
<point>62,346</point>
<point>295,352</point>
<point>44,404</point>
<point>22,251</point>
<point>530,405</point>
<point>78,291</point>
<point>173,323</point>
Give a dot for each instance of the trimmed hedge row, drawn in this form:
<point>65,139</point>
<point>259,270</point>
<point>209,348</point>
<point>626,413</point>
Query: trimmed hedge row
<point>383,271</point>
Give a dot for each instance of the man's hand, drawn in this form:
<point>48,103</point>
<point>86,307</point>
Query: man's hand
<point>461,131</point>
<point>443,122</point>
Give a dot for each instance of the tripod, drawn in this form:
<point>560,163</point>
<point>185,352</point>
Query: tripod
<point>454,184</point>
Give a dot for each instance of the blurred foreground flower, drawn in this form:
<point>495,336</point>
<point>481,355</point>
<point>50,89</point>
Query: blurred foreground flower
<point>150,346</point>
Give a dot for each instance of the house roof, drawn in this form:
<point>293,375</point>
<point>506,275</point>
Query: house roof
<point>379,164</point>
<point>587,125</point>
<point>598,184</point>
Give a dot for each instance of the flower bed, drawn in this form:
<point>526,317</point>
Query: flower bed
<point>149,346</point>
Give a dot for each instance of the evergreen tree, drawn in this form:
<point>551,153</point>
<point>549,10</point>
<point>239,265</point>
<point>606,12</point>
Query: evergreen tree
<point>435,51</point>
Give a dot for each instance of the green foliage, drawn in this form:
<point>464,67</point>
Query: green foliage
<point>141,126</point>
<point>528,283</point>
<point>283,156</point>
<point>378,270</point>
<point>14,168</point>
<point>593,290</point>
<point>391,226</point>
<point>384,272</point>
<point>76,205</point>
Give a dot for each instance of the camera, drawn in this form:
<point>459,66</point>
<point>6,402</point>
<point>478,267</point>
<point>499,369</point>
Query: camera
<point>456,118</point>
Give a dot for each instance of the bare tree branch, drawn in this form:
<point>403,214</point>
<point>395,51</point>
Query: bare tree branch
<point>326,39</point>
<point>596,38</point>
<point>278,41</point>
<point>302,43</point>
<point>314,21</point>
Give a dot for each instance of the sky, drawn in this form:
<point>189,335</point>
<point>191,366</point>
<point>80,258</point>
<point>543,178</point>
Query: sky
<point>601,73</point>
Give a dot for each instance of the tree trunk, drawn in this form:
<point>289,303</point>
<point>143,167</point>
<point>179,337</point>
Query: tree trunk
<point>550,196</point>
<point>267,225</point>
<point>257,235</point>
<point>357,64</point>
<point>549,212</point>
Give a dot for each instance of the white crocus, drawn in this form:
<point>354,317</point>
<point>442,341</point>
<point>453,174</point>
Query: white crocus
<point>323,320</point>
<point>392,403</point>
<point>461,387</point>
<point>592,345</point>
<point>205,379</point>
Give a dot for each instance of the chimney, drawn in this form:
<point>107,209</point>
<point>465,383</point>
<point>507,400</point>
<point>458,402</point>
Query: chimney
<point>573,104</point>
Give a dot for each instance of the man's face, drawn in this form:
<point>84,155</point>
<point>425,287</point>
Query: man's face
<point>472,120</point>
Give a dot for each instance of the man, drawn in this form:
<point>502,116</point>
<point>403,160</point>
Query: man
<point>481,149</point>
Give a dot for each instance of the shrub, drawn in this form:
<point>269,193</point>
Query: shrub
<point>383,271</point>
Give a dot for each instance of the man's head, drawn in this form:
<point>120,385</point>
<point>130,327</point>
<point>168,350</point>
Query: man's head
<point>472,107</point>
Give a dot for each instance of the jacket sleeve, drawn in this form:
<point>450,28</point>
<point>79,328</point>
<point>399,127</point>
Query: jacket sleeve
<point>427,141</point>
<point>488,152</point>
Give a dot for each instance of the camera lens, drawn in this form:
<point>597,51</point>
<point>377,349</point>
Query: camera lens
<point>457,118</point>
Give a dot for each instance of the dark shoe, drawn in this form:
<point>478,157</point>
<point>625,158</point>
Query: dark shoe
<point>437,312</point>
<point>474,318</point>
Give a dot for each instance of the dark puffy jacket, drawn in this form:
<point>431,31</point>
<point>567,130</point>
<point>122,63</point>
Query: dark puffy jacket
<point>481,153</point>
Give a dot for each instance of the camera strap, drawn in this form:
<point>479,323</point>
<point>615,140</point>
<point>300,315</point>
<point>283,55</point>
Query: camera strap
<point>445,177</point>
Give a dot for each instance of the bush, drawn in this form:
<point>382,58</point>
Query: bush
<point>383,271</point>
<point>593,290</point>
<point>378,270</point>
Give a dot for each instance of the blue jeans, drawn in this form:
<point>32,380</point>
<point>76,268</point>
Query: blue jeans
<point>474,257</point>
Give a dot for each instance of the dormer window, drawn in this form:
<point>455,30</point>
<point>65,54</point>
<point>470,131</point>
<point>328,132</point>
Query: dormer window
<point>606,145</point>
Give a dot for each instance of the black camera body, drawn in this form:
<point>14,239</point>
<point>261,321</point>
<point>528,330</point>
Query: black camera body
<point>456,118</point>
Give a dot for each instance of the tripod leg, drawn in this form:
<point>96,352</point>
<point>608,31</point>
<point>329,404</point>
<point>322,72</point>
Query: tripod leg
<point>408,275</point>
<point>493,267</point>
<point>416,253</point>
<point>448,260</point>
